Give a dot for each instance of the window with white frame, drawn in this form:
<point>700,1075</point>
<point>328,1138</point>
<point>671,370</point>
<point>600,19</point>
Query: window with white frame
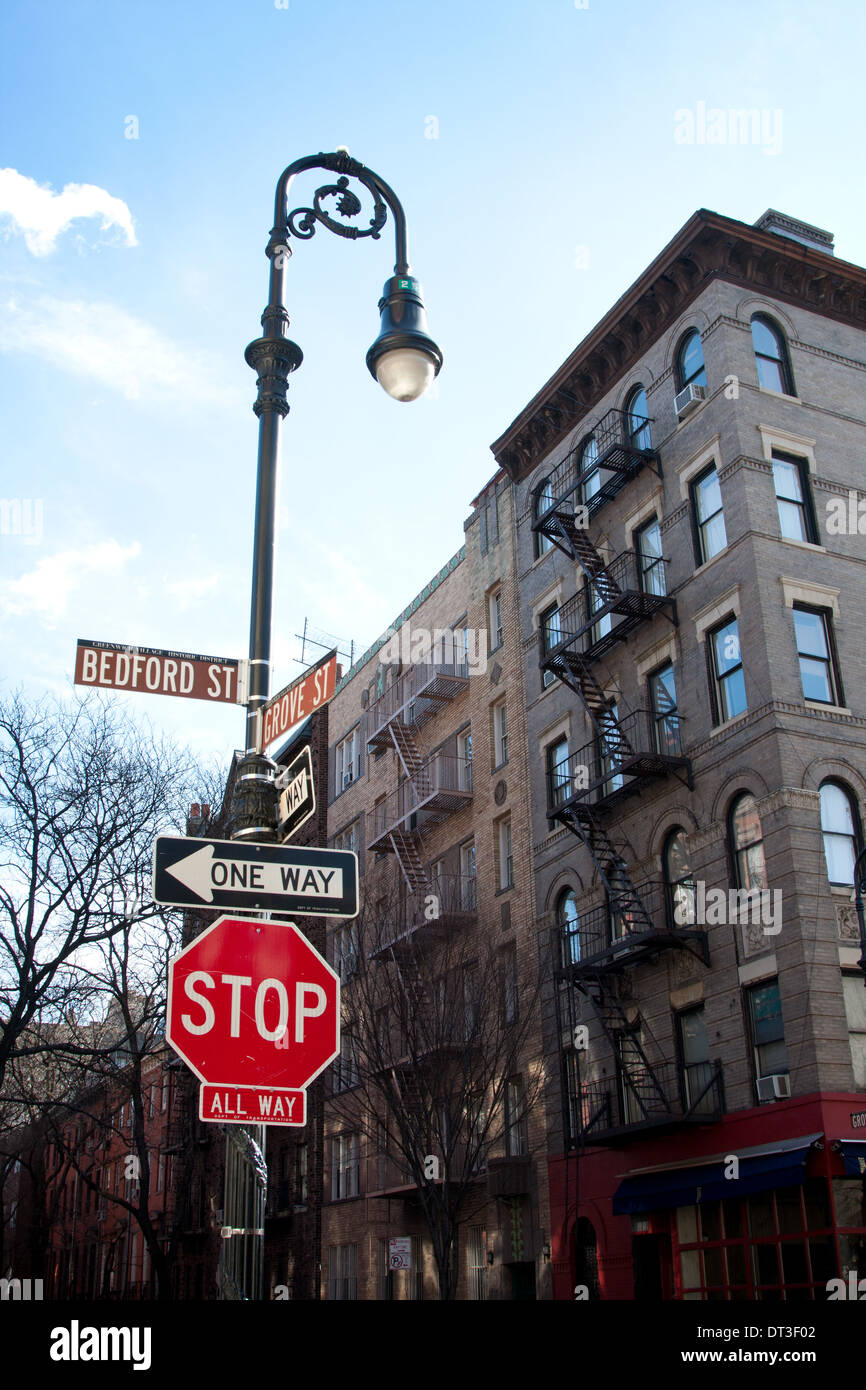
<point>464,760</point>
<point>468,896</point>
<point>345,1166</point>
<point>500,734</point>
<point>494,618</point>
<point>840,828</point>
<point>506,860</point>
<point>348,761</point>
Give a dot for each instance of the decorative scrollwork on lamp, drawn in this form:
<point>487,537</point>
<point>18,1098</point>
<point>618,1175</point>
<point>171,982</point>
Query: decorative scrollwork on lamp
<point>302,221</point>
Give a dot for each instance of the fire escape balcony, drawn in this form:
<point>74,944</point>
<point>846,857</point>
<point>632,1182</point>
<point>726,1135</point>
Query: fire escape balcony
<point>632,752</point>
<point>414,698</point>
<point>617,598</point>
<point>441,786</point>
<point>447,903</point>
<point>606,939</point>
<point>621,1108</point>
<point>616,459</point>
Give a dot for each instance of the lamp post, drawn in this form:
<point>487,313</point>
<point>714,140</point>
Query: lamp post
<point>405,360</point>
<point>859,890</point>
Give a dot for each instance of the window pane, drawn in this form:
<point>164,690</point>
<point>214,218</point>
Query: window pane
<point>816,680</point>
<point>770,375</point>
<point>791,521</point>
<point>695,1045</point>
<point>708,495</point>
<point>764,339</point>
<point>733,690</point>
<point>786,480</point>
<point>766,1009</point>
<point>811,633</point>
<point>746,822</point>
<point>678,866</point>
<point>836,813</point>
<point>715,536</point>
<point>692,361</point>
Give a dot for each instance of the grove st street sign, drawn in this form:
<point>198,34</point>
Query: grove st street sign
<point>301,698</point>
<point>190,872</point>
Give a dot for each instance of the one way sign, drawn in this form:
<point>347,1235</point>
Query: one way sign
<point>248,877</point>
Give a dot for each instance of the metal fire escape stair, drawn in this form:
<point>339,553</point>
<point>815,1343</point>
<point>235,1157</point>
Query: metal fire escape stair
<point>407,843</point>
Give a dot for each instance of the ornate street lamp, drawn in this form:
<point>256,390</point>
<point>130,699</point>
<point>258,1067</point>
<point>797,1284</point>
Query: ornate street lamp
<point>405,360</point>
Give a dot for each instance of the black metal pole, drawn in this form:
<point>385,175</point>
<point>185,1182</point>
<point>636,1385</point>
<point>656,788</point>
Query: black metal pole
<point>859,889</point>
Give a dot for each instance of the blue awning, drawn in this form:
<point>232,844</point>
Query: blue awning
<point>703,1180</point>
<point>853,1153</point>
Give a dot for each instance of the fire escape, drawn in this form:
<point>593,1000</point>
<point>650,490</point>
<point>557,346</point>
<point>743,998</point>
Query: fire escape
<point>628,751</point>
<point>430,790</point>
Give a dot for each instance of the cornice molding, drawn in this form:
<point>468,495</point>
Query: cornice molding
<point>708,247</point>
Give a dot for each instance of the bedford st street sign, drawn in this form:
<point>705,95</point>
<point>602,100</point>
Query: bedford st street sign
<point>298,794</point>
<point>190,872</point>
<point>112,666</point>
<point>309,692</point>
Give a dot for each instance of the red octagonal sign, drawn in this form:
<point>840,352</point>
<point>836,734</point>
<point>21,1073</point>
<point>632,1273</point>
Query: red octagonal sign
<point>252,1005</point>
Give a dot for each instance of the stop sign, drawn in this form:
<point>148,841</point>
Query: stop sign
<point>252,1003</point>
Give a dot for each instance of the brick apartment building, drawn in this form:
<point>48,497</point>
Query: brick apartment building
<point>692,612</point>
<point>427,782</point>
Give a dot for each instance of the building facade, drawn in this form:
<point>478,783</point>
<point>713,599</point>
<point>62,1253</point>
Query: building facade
<point>691,605</point>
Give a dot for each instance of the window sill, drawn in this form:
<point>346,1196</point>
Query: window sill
<point>804,545</point>
<point>706,564</point>
<point>509,888</point>
<point>499,767</point>
<point>730,723</point>
<point>827,709</point>
<point>779,395</point>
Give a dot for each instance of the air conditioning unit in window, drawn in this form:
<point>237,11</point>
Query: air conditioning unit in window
<point>688,398</point>
<point>776,1087</point>
<point>102,1214</point>
<point>348,778</point>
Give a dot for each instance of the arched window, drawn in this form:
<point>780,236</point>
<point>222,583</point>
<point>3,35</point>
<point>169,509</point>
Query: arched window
<point>637,419</point>
<point>747,842</point>
<point>690,361</point>
<point>679,880</point>
<point>567,921</point>
<point>587,456</point>
<point>543,503</point>
<point>840,829</point>
<point>771,355</point>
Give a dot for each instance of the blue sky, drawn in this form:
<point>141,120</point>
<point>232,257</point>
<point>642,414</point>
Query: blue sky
<point>533,145</point>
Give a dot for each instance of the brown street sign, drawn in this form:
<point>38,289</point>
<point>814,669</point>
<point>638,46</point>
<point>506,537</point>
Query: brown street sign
<point>113,666</point>
<point>309,692</point>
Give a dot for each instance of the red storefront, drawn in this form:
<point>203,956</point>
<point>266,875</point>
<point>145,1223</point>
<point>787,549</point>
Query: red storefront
<point>766,1204</point>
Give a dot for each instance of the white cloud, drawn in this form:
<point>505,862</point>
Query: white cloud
<point>42,215</point>
<point>99,340</point>
<point>43,593</point>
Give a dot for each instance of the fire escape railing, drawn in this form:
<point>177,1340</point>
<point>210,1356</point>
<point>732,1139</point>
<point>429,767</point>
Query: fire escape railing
<point>616,762</point>
<point>633,1101</point>
<point>618,457</point>
<point>441,786</point>
<point>413,698</point>
<point>628,591</point>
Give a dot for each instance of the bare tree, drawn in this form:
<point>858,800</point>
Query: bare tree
<point>83,793</point>
<point>439,1063</point>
